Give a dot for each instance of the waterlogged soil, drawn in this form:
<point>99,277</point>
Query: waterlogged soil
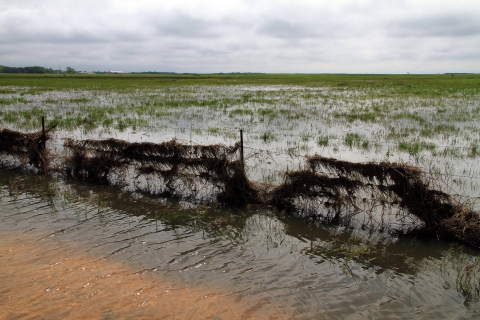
<point>74,250</point>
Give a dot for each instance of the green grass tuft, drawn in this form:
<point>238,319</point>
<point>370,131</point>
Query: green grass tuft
<point>414,148</point>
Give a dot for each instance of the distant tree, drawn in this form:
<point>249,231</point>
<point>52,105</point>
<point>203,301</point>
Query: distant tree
<point>14,70</point>
<point>69,70</point>
<point>35,69</point>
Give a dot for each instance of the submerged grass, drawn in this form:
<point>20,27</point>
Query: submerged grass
<point>267,137</point>
<point>415,147</point>
<point>323,141</point>
<point>466,270</point>
<point>352,139</point>
<point>474,150</point>
<point>358,115</point>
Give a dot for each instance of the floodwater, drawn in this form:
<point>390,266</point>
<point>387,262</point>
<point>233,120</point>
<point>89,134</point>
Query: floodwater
<point>281,124</point>
<point>75,250</point>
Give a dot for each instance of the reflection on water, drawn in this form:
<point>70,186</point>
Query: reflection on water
<point>71,250</point>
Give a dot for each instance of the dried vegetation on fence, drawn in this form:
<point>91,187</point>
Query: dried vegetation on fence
<point>348,188</point>
<point>178,166</point>
<point>329,189</point>
<point>30,148</point>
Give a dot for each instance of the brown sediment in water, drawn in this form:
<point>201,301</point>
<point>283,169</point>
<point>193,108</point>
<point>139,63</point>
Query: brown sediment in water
<point>43,278</point>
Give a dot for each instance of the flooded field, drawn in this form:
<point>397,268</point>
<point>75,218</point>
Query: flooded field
<point>424,122</point>
<point>71,250</point>
<point>78,250</point>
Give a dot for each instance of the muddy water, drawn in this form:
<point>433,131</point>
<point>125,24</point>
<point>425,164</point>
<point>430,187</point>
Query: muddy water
<point>46,278</point>
<point>70,250</point>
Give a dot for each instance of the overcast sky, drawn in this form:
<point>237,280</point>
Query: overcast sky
<point>366,36</point>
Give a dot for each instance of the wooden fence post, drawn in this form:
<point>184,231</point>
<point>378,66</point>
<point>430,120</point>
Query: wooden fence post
<point>44,136</point>
<point>43,128</point>
<point>241,148</point>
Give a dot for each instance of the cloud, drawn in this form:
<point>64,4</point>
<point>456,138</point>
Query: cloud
<point>268,36</point>
<point>282,29</point>
<point>186,26</point>
<point>443,25</point>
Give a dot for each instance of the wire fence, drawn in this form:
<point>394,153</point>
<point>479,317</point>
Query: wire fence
<point>270,149</point>
<point>250,135</point>
<point>192,129</point>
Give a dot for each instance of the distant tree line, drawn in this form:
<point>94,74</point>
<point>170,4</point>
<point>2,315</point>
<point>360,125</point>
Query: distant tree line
<point>34,69</point>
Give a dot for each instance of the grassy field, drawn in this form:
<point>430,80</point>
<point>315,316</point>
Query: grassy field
<point>418,85</point>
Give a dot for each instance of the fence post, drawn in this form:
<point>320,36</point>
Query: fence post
<point>44,137</point>
<point>241,148</point>
<point>43,128</point>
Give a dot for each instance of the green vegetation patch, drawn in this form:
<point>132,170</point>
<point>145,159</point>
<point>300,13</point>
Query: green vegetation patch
<point>357,115</point>
<point>79,100</point>
<point>7,101</point>
<point>213,130</point>
<point>240,112</point>
<point>267,112</point>
<point>410,116</point>
<point>355,140</point>
<point>295,114</point>
<point>474,150</point>
<point>6,91</point>
<point>11,117</point>
<point>267,137</point>
<point>414,148</point>
<point>323,141</point>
